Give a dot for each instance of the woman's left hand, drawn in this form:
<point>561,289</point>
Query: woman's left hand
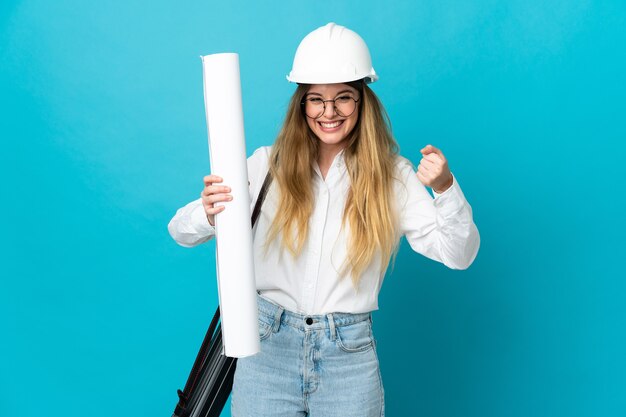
<point>433,169</point>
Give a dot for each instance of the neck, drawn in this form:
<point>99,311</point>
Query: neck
<point>327,155</point>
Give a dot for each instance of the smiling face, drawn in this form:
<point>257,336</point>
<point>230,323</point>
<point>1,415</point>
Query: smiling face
<point>332,128</point>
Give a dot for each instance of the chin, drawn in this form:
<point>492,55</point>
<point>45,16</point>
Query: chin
<point>332,140</point>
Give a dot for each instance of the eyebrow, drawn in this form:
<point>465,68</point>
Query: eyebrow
<point>341,92</point>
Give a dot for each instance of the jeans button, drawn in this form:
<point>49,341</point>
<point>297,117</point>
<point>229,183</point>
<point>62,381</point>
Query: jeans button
<point>309,320</point>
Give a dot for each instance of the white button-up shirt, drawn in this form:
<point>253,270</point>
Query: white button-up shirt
<point>440,228</point>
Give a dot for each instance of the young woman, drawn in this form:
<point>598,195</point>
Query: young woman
<point>340,200</point>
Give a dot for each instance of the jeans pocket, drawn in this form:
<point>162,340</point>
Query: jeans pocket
<point>265,329</point>
<point>356,337</point>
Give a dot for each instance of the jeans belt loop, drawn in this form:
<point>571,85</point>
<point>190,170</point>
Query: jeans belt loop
<point>277,316</point>
<point>331,324</point>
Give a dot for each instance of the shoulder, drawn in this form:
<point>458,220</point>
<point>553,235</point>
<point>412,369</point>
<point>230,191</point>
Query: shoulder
<point>403,167</point>
<point>262,153</point>
<point>258,163</point>
<point>259,159</point>
<point>406,183</point>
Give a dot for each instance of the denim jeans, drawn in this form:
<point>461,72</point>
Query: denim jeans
<point>315,366</point>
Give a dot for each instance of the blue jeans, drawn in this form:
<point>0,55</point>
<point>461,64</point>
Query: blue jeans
<point>315,366</point>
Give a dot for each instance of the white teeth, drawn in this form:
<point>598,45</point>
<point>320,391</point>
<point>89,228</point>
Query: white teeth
<point>331,125</point>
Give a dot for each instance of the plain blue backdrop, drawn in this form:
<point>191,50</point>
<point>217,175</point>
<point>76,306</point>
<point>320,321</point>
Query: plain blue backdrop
<point>104,137</point>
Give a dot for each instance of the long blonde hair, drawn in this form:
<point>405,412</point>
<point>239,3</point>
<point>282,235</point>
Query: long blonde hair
<point>369,155</point>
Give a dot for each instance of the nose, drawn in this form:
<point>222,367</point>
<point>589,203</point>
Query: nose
<point>329,109</point>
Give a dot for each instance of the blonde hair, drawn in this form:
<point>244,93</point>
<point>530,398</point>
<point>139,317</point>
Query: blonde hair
<point>370,156</point>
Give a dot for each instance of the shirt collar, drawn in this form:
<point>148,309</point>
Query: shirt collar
<point>338,163</point>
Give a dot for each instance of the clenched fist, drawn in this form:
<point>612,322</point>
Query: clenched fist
<point>433,169</point>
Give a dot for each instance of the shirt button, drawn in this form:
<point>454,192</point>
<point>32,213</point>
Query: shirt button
<point>309,320</point>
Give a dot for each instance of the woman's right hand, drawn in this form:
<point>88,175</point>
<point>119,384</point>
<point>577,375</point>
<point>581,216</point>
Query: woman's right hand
<point>214,194</point>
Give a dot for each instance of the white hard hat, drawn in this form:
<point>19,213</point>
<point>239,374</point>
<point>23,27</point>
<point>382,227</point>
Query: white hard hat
<point>332,54</point>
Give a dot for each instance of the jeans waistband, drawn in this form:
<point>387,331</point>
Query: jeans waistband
<point>272,310</point>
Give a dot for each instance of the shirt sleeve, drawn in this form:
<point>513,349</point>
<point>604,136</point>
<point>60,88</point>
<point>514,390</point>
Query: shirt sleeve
<point>440,228</point>
<point>190,226</point>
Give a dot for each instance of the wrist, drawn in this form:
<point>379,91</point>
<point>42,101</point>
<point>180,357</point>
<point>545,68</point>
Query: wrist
<point>445,187</point>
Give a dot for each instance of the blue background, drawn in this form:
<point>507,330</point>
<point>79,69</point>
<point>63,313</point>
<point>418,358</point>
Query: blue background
<point>104,137</point>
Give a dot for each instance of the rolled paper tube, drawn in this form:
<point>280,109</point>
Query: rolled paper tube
<point>235,259</point>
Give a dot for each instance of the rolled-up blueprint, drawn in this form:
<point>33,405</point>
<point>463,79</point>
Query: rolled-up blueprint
<point>227,150</point>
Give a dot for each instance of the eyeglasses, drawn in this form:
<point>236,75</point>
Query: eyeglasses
<point>315,107</point>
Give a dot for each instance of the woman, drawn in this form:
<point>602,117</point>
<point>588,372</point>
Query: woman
<point>340,200</point>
